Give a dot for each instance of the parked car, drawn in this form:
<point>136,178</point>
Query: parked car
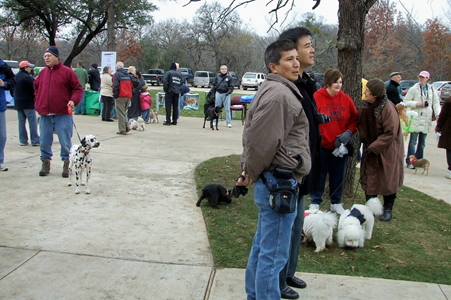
<point>252,80</point>
<point>188,75</point>
<point>406,85</point>
<point>154,76</point>
<point>437,86</point>
<point>203,78</point>
<point>235,79</point>
<point>445,93</point>
<point>14,64</point>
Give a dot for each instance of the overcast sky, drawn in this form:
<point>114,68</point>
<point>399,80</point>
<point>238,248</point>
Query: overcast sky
<point>254,13</point>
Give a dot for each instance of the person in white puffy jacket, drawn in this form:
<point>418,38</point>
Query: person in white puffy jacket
<point>423,99</point>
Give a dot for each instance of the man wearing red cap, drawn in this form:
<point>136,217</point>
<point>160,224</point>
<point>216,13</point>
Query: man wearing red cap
<point>24,104</point>
<point>56,88</point>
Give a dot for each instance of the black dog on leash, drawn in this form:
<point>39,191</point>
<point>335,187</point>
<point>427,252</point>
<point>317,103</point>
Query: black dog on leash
<point>213,113</point>
<point>215,194</point>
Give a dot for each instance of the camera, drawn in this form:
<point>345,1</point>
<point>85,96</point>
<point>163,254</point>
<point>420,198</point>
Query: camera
<point>426,104</point>
<point>239,190</point>
<point>322,118</point>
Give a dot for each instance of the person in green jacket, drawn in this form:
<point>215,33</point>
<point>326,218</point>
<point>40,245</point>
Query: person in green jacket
<point>82,75</point>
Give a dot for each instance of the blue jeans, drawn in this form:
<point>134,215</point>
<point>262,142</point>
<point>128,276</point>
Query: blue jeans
<point>23,115</point>
<point>296,234</point>
<point>2,136</point>
<point>224,99</point>
<point>414,136</point>
<point>146,115</point>
<point>335,167</point>
<point>81,107</point>
<point>64,129</point>
<point>270,247</point>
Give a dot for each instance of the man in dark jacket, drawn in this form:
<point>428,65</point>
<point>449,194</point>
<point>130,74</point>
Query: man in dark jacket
<point>7,82</point>
<point>122,93</point>
<point>24,104</point>
<point>172,83</point>
<point>56,89</point>
<point>223,86</point>
<point>393,93</point>
<point>302,38</point>
<point>94,77</point>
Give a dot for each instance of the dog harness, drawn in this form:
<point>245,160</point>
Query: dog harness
<point>357,214</point>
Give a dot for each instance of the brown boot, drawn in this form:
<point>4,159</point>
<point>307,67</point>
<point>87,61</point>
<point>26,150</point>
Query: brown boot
<point>45,167</point>
<point>65,173</point>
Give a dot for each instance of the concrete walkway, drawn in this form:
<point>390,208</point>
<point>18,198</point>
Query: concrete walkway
<point>139,235</point>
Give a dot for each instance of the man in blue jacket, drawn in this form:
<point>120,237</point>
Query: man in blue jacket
<point>7,82</point>
<point>24,104</point>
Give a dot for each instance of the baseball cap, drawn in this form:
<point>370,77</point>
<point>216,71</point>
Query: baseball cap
<point>394,73</point>
<point>25,63</point>
<point>424,74</point>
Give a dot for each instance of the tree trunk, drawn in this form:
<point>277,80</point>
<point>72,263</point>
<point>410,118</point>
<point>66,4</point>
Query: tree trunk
<point>351,20</point>
<point>110,27</point>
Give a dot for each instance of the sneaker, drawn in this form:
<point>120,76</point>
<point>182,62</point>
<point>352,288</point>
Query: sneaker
<point>24,144</point>
<point>3,168</point>
<point>410,167</point>
<point>36,145</point>
<point>338,208</point>
<point>314,207</point>
<point>229,125</point>
<point>449,175</point>
<point>166,123</point>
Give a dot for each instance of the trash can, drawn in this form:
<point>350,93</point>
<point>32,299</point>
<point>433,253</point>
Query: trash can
<point>92,103</point>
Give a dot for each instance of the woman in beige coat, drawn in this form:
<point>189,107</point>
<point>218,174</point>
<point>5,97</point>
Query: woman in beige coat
<point>381,171</point>
<point>421,98</point>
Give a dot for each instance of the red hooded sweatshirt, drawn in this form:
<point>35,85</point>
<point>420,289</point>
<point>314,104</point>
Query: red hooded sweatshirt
<point>342,112</point>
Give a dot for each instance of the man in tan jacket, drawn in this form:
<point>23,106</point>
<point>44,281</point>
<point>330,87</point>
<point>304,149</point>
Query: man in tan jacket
<point>275,153</point>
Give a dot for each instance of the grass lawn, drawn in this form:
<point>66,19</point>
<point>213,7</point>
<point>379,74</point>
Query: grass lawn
<point>414,246</point>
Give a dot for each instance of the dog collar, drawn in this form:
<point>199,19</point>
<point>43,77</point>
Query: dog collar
<point>357,214</point>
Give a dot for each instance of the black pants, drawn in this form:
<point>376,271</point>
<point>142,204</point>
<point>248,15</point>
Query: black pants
<point>171,101</point>
<point>448,158</point>
<point>107,107</point>
<point>389,200</point>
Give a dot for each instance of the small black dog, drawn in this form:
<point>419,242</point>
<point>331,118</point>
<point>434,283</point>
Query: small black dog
<point>213,114</point>
<point>215,193</point>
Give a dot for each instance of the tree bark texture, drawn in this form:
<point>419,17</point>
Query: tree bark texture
<point>351,20</point>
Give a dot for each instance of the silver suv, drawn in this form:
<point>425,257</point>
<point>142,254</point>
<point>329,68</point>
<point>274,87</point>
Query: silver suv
<point>203,78</point>
<point>252,80</point>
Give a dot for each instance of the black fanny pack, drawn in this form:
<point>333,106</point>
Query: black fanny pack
<point>282,196</point>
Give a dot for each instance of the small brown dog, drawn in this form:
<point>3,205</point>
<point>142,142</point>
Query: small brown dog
<point>420,163</point>
<point>153,116</point>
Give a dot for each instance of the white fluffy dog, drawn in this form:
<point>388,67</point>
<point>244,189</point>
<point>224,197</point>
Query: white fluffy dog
<point>319,227</point>
<point>357,224</point>
<point>141,124</point>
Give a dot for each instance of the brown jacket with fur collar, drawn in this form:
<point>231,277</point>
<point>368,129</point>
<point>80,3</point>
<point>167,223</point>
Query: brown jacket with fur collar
<point>444,125</point>
<point>381,172</point>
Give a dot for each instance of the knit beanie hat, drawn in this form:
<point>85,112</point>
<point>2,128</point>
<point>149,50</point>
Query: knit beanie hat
<point>53,50</point>
<point>173,66</point>
<point>377,87</point>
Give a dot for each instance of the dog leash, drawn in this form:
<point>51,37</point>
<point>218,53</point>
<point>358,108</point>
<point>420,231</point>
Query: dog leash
<point>70,112</point>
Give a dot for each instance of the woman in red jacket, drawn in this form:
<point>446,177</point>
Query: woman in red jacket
<point>343,114</point>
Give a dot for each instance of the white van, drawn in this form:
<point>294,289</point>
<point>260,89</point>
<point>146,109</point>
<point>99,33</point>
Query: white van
<point>252,80</point>
<point>203,78</point>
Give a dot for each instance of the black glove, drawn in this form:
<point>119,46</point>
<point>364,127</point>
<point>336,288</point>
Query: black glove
<point>345,137</point>
<point>367,151</point>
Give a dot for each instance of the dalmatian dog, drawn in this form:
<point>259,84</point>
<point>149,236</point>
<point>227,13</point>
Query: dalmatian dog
<point>80,160</point>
